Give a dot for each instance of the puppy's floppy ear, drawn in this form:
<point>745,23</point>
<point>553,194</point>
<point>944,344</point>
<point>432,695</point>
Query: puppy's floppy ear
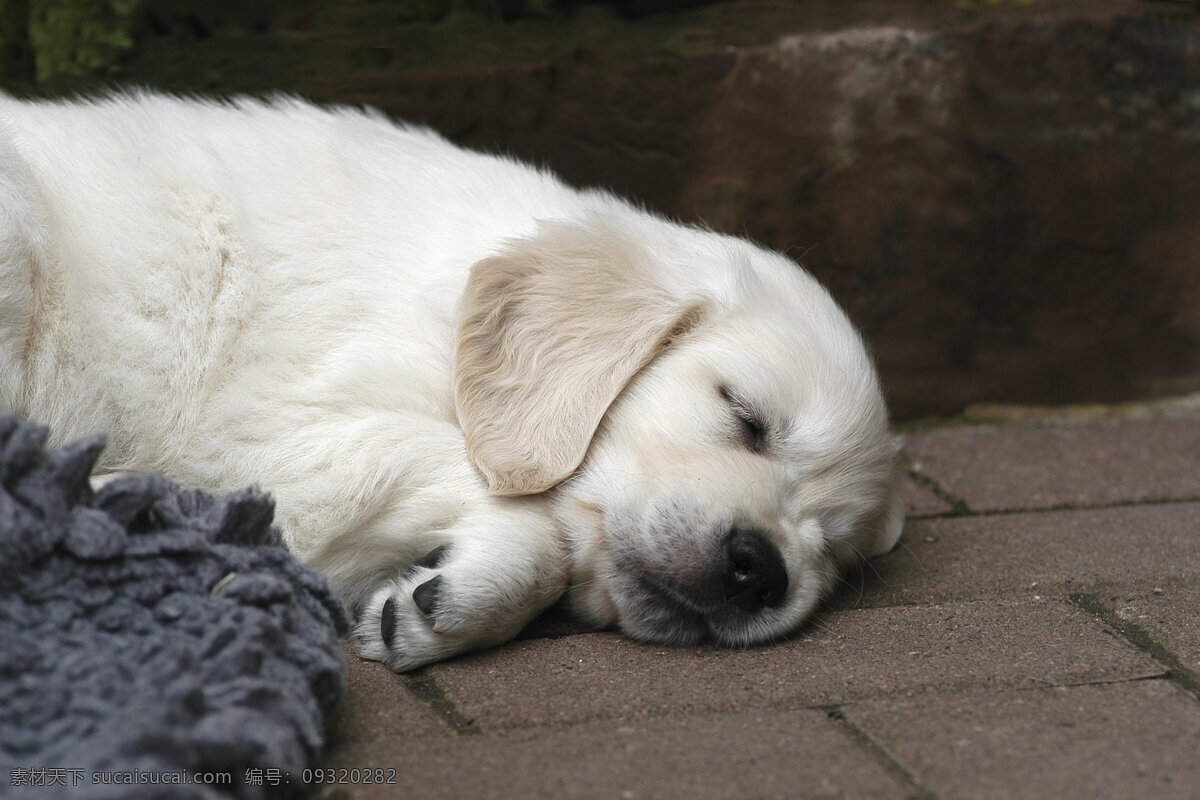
<point>550,331</point>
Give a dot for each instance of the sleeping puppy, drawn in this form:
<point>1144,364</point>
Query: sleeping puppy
<point>469,387</point>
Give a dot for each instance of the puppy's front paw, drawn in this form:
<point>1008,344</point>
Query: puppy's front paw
<point>478,591</point>
<point>440,606</point>
<point>405,623</point>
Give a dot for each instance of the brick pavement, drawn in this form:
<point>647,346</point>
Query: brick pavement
<point>1035,634</point>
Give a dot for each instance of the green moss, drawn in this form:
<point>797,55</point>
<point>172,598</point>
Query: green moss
<point>80,38</point>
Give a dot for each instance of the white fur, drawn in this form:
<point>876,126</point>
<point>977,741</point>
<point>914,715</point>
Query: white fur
<point>411,345</point>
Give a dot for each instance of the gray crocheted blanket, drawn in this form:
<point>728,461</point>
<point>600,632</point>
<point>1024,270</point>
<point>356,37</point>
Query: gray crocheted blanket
<point>154,642</point>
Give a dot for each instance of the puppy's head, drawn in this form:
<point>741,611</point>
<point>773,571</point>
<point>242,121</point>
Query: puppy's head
<point>708,419</point>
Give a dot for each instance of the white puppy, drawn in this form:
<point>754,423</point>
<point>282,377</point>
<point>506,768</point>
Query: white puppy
<point>469,387</point>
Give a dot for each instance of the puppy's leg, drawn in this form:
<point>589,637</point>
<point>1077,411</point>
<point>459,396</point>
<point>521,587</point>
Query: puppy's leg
<point>493,573</point>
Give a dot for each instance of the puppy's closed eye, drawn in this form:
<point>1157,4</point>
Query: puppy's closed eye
<point>751,428</point>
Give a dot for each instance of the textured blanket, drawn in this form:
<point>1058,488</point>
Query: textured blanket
<point>154,642</point>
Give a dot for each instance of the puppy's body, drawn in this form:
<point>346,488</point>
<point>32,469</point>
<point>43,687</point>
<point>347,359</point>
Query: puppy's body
<point>414,346</point>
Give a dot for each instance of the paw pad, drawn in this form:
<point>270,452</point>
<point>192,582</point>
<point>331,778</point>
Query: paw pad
<point>426,595</point>
<point>387,622</point>
<point>433,558</point>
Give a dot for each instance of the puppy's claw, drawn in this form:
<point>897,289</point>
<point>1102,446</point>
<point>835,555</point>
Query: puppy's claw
<point>426,595</point>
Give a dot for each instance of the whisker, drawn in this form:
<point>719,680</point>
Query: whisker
<point>908,549</point>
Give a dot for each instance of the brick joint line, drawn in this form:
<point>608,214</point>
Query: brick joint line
<point>425,688</point>
<point>999,512</point>
<point>1140,639</point>
<point>958,506</point>
<point>916,790</point>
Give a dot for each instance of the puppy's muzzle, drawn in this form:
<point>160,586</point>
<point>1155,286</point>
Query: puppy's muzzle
<point>754,576</point>
<point>732,601</point>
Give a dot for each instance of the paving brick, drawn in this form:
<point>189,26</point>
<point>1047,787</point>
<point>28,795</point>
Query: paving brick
<point>846,655</point>
<point>376,718</point>
<point>1028,554</point>
<point>1125,740</point>
<point>1017,467</point>
<point>744,755</point>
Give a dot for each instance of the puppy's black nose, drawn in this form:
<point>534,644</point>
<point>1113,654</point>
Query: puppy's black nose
<point>755,575</point>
